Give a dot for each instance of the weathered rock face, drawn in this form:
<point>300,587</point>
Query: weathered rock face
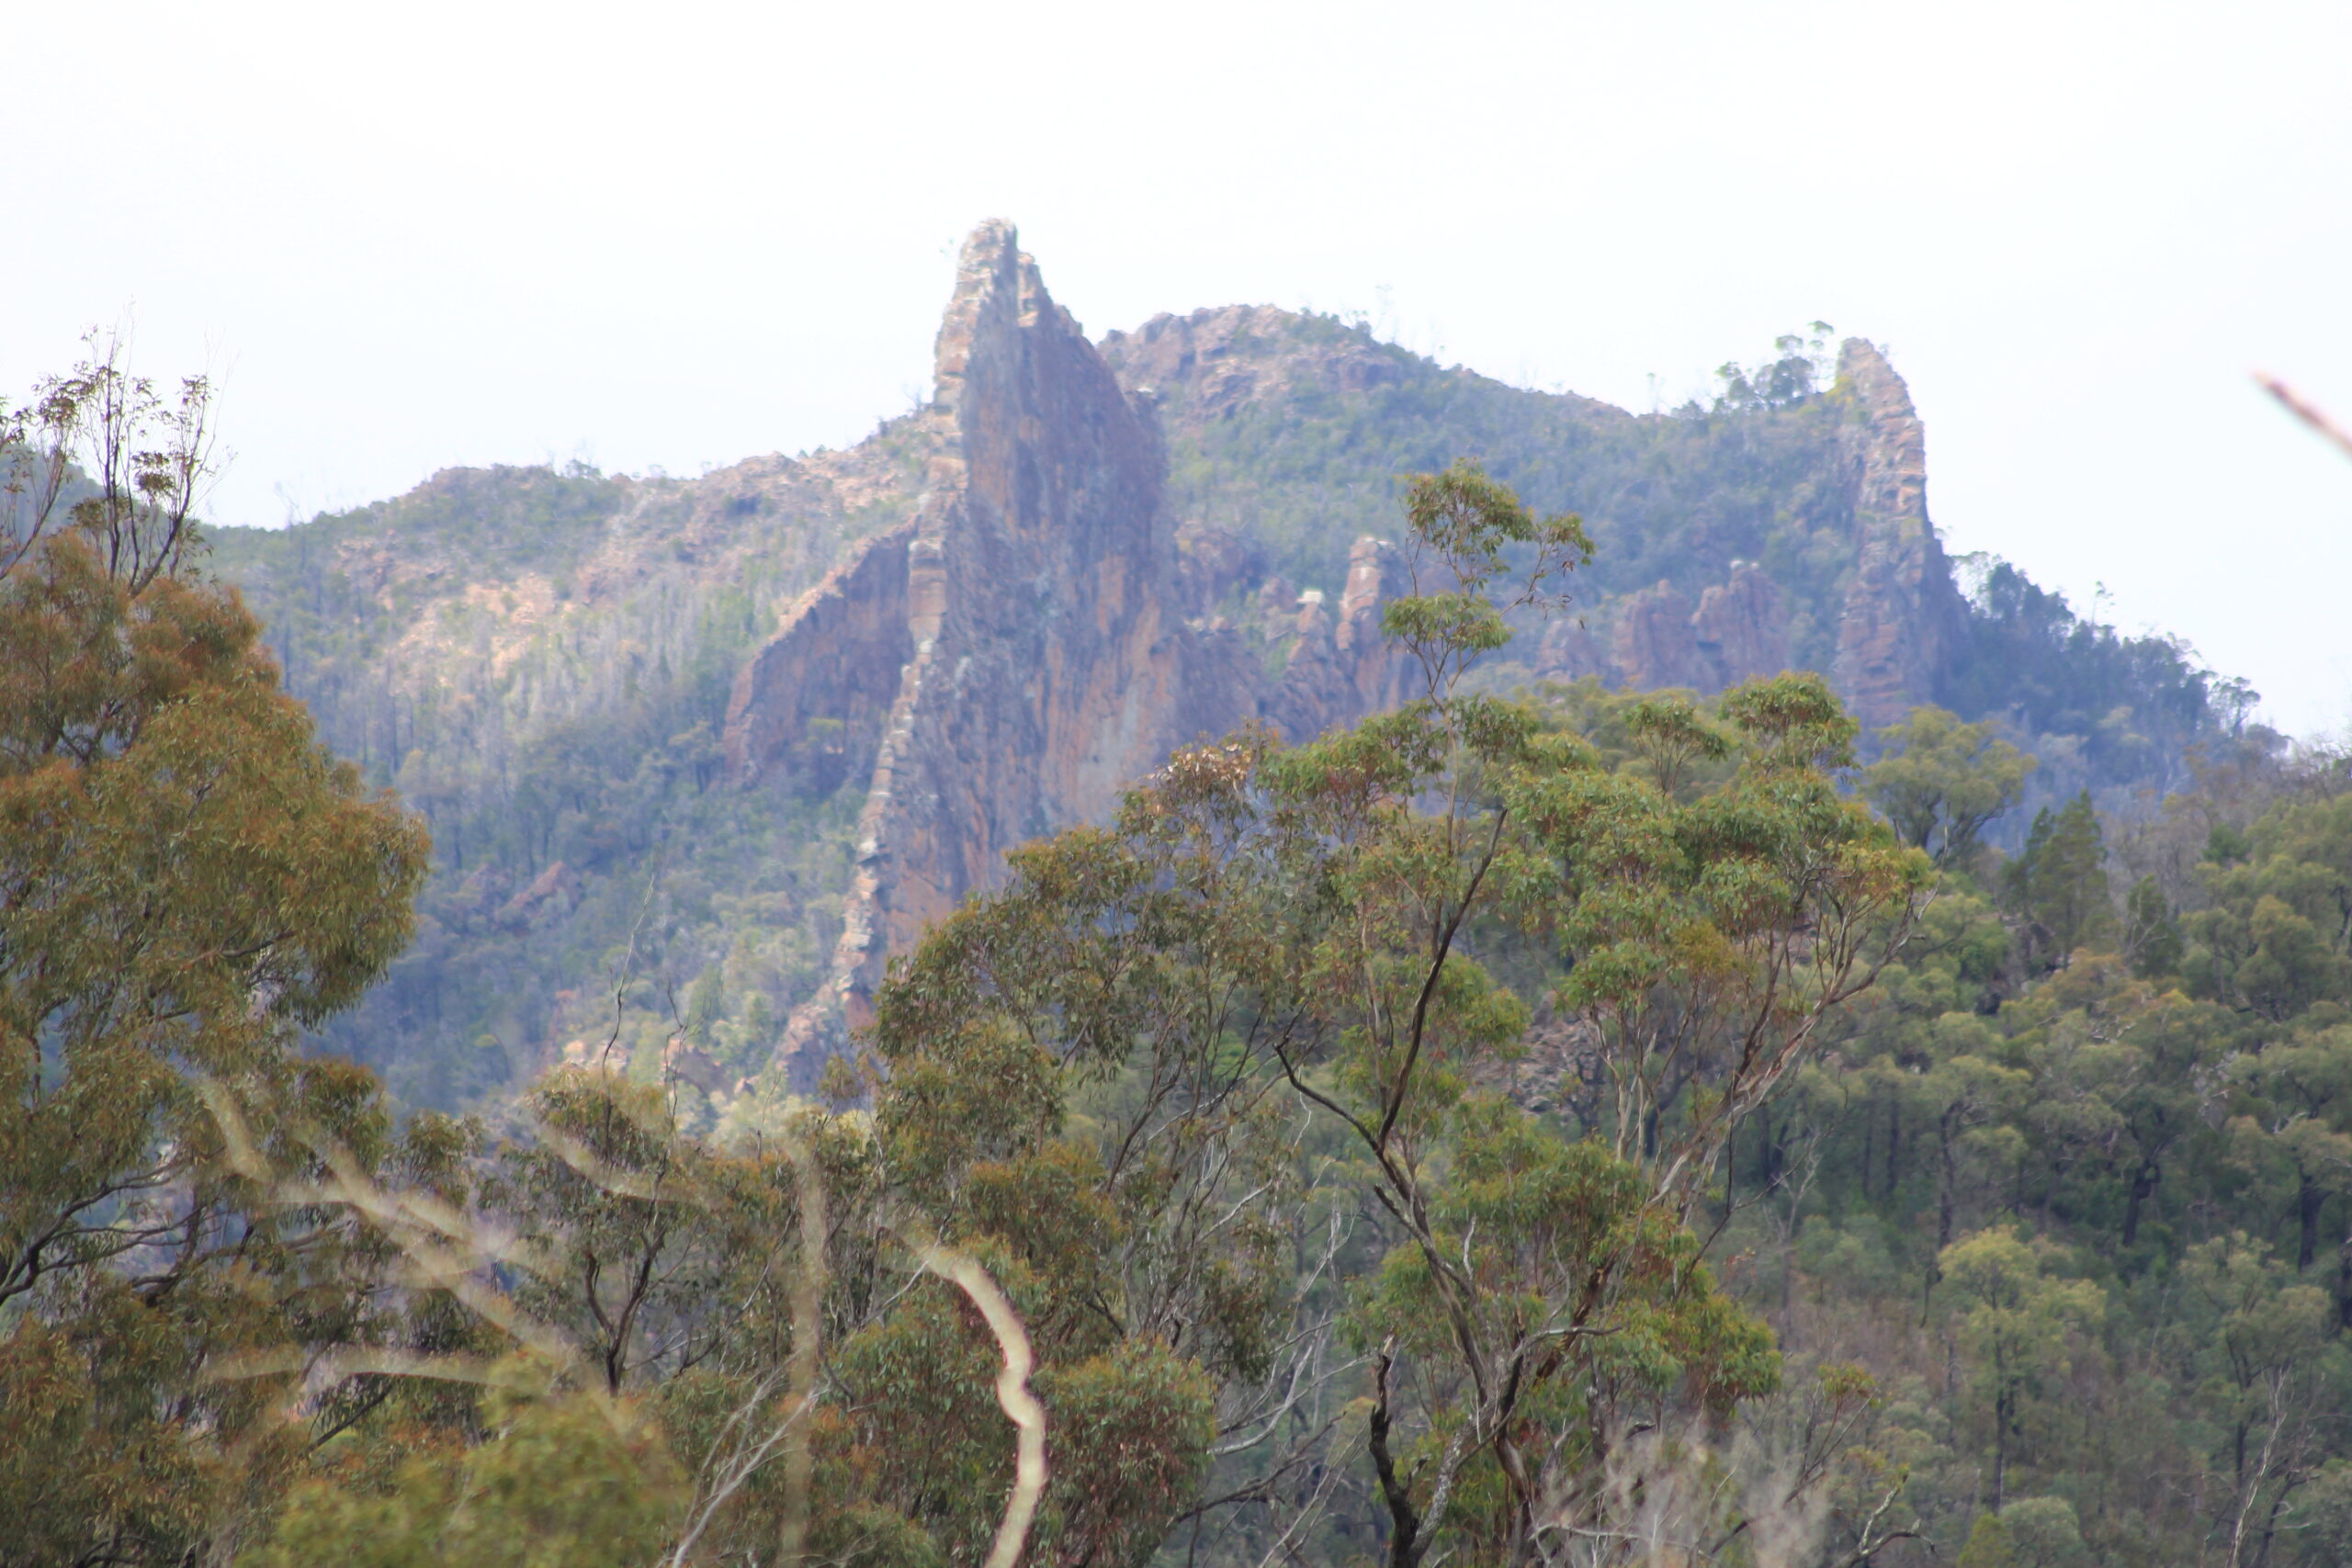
<point>1010,661</point>
<point>1740,629</point>
<point>1040,634</point>
<point>990,622</point>
<point>815,697</point>
<point>1211,563</point>
<point>1903,617</point>
<point>1344,665</point>
<point>1655,646</point>
<point>1260,399</point>
<point>1568,651</point>
<point>1213,351</point>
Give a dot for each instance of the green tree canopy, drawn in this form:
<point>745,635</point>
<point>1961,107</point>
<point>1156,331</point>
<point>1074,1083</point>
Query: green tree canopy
<point>186,879</point>
<point>1941,781</point>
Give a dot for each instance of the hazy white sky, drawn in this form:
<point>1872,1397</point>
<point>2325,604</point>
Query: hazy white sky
<point>409,236</point>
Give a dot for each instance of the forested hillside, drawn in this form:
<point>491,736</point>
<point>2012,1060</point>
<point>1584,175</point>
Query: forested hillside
<point>1583,1127</point>
<point>541,661</point>
<point>1295,431</point>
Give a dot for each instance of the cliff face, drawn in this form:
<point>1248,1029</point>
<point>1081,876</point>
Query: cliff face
<point>1041,633</point>
<point>1730,545</point>
<point>1740,629</point>
<point>1903,618</point>
<point>1654,644</point>
<point>816,698</point>
<point>746,735</point>
<point>1008,661</point>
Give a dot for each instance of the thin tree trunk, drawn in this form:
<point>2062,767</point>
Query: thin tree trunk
<point>2143,1182</point>
<point>2344,1283</point>
<point>1894,1146</point>
<point>2308,1199</point>
<point>1950,1180</point>
<point>2000,1446</point>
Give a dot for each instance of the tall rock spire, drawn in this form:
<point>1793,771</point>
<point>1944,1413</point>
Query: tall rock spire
<point>1902,620</point>
<point>1011,660</point>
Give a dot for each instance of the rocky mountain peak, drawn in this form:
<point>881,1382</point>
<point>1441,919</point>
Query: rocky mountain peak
<point>836,688</point>
<point>1007,661</point>
<point>1903,617</point>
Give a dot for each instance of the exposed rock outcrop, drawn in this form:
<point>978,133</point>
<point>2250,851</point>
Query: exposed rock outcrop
<point>990,624</point>
<point>1031,643</point>
<point>1212,563</point>
<point>551,894</point>
<point>1211,351</point>
<point>815,698</point>
<point>1233,383</point>
<point>1342,665</point>
<point>1568,651</point>
<point>1741,629</point>
<point>1039,636</point>
<point>1654,644</point>
<point>1903,618</point>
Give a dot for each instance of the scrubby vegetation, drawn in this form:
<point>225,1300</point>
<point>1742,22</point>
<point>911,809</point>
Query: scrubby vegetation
<point>1757,474</point>
<point>1582,1128</point>
<point>564,748</point>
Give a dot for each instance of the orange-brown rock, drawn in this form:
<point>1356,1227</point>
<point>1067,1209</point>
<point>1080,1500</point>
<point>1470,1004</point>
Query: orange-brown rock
<point>1741,629</point>
<point>1655,646</point>
<point>814,699</point>
<point>1568,651</point>
<point>1010,661</point>
<point>551,893</point>
<point>1212,563</point>
<point>1213,352</point>
<point>1902,620</point>
<point>1039,635</point>
<point>1339,668</point>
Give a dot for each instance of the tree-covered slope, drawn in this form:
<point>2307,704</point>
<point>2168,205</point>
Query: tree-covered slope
<point>1462,1130</point>
<point>1294,429</point>
<point>541,660</point>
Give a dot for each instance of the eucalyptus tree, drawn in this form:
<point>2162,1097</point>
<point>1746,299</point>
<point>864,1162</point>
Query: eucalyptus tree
<point>186,879</point>
<point>1273,993</point>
